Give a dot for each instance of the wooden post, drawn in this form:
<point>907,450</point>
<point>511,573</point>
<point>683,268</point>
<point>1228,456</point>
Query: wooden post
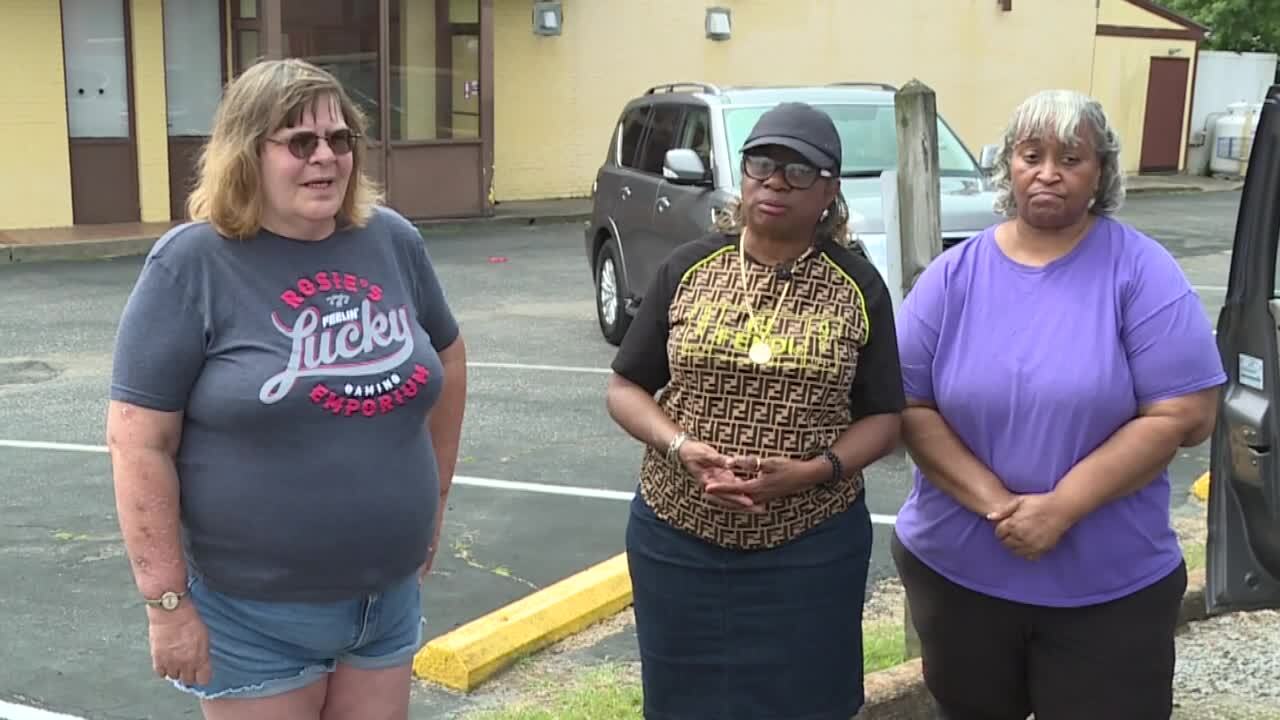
<point>919,188</point>
<point>919,220</point>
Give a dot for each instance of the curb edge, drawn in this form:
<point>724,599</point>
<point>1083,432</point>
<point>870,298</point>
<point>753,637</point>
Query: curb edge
<point>86,250</point>
<point>465,657</point>
<point>444,227</point>
<point>141,245</point>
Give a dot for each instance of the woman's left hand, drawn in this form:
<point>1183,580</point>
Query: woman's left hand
<point>1031,525</point>
<point>425,568</point>
<point>772,478</point>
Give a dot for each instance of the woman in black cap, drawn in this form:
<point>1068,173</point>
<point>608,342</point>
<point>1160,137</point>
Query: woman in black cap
<point>774,347</point>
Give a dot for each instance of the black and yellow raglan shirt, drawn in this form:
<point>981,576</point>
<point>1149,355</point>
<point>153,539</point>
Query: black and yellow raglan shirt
<point>833,359</point>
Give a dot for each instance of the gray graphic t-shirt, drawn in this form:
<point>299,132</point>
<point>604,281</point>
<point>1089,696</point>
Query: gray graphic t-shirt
<point>305,371</point>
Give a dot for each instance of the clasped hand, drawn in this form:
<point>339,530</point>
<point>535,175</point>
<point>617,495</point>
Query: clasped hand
<point>1030,525</point>
<point>745,483</point>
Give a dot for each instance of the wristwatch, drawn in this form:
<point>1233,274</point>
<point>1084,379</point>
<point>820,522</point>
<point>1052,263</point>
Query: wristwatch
<point>168,601</point>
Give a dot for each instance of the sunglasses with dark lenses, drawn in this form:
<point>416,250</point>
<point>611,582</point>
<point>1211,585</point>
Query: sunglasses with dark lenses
<point>798,175</point>
<point>301,145</point>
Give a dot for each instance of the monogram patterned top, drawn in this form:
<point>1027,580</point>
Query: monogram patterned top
<point>834,360</point>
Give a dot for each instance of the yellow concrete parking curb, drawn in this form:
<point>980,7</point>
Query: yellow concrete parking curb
<point>1200,488</point>
<point>469,655</point>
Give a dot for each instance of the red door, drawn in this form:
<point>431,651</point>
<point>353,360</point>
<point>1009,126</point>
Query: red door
<point>1166,103</point>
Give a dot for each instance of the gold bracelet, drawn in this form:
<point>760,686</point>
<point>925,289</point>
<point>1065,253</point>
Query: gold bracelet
<point>673,450</point>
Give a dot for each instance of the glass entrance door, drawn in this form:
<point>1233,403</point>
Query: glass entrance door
<point>193,66</point>
<point>436,159</point>
<point>104,167</point>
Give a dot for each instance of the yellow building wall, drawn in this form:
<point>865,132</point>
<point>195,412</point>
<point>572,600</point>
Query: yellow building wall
<point>35,167</point>
<point>151,113</point>
<point>1122,67</point>
<point>557,98</point>
<point>1122,12</point>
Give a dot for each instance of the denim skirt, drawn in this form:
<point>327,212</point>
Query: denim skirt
<point>731,634</point>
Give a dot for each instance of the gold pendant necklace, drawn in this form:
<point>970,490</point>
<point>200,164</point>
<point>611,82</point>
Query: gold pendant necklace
<point>761,353</point>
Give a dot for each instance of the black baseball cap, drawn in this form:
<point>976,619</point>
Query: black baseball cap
<point>800,127</point>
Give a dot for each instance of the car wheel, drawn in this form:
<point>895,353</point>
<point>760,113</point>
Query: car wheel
<point>611,294</point>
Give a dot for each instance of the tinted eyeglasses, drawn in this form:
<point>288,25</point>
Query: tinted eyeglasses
<point>798,175</point>
<point>301,145</point>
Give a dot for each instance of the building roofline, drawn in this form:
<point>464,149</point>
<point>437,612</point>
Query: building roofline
<point>1170,15</point>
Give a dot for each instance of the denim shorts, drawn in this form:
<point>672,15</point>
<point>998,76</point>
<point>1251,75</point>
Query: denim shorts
<point>259,649</point>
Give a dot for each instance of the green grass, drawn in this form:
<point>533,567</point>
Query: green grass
<point>883,646</point>
<point>605,694</point>
<point>1193,553</point>
<point>600,694</point>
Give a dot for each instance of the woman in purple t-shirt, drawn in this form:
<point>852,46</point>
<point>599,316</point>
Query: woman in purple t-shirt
<point>1053,365</point>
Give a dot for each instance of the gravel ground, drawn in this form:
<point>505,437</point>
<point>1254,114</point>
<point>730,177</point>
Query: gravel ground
<point>1229,668</point>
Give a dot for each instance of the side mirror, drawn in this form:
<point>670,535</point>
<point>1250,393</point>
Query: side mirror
<point>987,161</point>
<point>684,167</point>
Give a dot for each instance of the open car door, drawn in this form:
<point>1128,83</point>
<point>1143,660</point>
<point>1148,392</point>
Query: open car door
<point>1243,553</point>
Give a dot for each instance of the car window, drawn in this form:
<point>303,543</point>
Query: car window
<point>664,123</point>
<point>631,131</point>
<point>867,134</point>
<point>696,134</point>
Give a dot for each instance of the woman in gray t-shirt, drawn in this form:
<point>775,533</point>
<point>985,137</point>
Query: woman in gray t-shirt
<point>279,485</point>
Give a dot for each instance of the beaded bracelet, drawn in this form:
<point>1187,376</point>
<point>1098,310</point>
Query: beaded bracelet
<point>837,468</point>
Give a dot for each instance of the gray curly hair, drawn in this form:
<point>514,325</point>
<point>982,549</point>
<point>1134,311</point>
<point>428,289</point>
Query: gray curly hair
<point>1062,115</point>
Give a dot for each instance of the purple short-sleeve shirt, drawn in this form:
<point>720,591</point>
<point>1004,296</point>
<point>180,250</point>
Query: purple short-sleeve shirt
<point>1034,368</point>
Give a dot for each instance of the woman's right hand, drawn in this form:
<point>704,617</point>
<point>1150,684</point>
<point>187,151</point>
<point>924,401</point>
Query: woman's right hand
<point>180,645</point>
<point>708,466</point>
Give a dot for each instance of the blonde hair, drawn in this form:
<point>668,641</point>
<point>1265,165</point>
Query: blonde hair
<point>268,96</point>
<point>1064,116</point>
<point>834,226</point>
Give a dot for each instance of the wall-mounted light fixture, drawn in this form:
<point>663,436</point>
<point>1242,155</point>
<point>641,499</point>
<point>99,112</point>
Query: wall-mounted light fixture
<point>719,23</point>
<point>548,17</point>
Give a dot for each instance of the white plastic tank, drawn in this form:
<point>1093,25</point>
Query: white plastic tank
<point>1233,139</point>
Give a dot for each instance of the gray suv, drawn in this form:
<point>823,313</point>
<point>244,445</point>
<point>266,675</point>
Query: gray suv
<point>673,162</point>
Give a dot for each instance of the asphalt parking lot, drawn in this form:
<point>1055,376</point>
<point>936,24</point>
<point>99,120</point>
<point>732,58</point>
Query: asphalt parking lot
<point>545,472</point>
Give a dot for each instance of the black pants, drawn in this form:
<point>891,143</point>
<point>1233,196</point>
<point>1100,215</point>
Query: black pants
<point>991,659</point>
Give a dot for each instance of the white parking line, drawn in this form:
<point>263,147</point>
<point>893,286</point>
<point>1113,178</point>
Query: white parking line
<point>544,488</point>
<point>10,711</point>
<point>1209,288</point>
<point>63,447</point>
<point>466,480</point>
<point>547,368</point>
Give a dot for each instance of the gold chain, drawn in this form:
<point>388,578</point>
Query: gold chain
<point>759,355</point>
